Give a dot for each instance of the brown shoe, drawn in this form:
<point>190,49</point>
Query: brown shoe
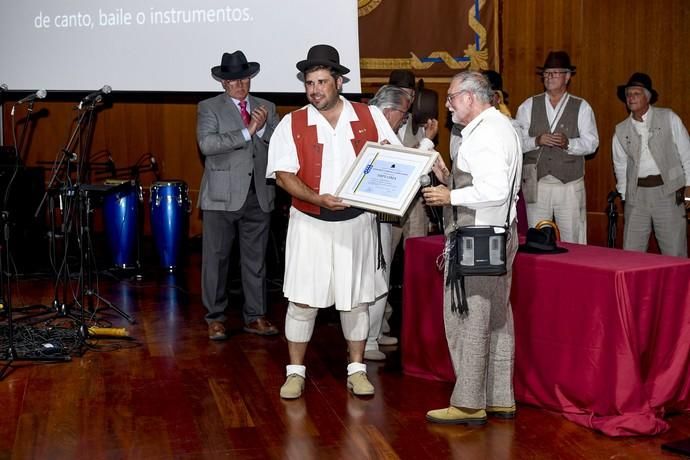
<point>216,331</point>
<point>261,326</point>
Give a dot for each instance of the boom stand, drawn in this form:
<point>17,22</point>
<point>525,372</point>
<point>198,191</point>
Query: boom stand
<point>11,353</point>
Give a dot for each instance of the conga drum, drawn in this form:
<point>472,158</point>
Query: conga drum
<point>121,218</point>
<point>169,211</point>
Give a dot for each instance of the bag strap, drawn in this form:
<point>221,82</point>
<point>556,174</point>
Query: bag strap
<point>510,201</point>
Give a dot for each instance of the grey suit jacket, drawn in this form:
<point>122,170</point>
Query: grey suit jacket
<point>229,160</point>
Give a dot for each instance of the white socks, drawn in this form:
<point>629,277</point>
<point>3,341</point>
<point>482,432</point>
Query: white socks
<point>296,369</point>
<point>353,368</point>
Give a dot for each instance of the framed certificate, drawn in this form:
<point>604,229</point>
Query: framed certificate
<point>385,177</point>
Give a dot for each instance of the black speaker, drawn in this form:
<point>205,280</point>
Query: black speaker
<point>21,191</point>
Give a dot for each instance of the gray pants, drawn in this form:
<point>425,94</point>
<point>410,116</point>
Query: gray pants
<point>651,209</point>
<point>482,343</point>
<point>219,230</point>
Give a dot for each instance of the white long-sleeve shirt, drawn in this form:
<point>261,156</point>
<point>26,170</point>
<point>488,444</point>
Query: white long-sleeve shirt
<point>586,144</point>
<point>490,151</point>
<point>620,159</point>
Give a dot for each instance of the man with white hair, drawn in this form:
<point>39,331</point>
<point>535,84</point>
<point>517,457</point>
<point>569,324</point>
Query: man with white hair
<point>651,159</point>
<point>485,178</point>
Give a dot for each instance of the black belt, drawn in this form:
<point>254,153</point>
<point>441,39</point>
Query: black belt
<point>650,181</point>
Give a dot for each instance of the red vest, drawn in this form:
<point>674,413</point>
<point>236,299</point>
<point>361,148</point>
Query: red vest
<point>309,151</point>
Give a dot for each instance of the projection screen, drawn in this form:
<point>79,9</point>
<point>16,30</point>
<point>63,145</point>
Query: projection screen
<point>167,45</point>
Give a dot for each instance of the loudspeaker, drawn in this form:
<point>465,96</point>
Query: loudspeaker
<point>21,191</point>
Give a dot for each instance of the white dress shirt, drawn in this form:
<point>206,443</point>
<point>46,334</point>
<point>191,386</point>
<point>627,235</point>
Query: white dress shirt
<point>586,144</point>
<point>490,151</point>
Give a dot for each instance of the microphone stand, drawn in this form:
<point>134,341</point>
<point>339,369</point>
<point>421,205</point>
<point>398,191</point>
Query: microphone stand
<point>612,212</point>
<point>11,353</point>
<point>88,292</point>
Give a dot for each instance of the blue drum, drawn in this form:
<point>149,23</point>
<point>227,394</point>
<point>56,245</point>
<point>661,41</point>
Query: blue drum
<point>169,212</point>
<point>121,218</point>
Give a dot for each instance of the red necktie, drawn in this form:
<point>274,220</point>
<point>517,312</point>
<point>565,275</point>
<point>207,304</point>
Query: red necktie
<point>243,112</point>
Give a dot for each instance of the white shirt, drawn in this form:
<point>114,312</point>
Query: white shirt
<point>423,142</point>
<point>586,144</point>
<point>338,153</point>
<point>648,166</point>
<point>490,151</point>
<point>620,159</point>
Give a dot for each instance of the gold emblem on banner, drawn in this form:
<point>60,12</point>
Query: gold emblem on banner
<point>477,55</point>
<point>365,7</point>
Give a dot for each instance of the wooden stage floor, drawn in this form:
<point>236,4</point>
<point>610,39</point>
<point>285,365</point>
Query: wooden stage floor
<point>168,392</point>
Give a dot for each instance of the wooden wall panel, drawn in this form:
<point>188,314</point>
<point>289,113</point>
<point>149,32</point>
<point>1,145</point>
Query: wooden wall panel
<point>607,41</point>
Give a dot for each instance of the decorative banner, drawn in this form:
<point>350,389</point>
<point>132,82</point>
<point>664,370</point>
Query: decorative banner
<point>433,38</point>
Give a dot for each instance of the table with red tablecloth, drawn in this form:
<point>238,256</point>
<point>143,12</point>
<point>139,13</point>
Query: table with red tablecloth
<point>601,335</point>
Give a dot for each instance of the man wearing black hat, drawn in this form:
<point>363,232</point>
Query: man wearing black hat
<point>330,255</point>
<point>651,159</point>
<point>417,131</point>
<point>557,131</point>
<point>233,131</point>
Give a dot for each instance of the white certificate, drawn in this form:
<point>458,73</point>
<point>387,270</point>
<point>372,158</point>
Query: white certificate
<point>385,177</point>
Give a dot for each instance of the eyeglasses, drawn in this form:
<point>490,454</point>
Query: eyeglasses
<point>554,73</point>
<point>450,97</point>
<point>237,82</point>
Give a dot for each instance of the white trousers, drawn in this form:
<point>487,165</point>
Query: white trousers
<point>377,310</point>
<point>565,204</point>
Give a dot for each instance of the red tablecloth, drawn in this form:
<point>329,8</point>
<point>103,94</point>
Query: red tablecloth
<point>601,335</point>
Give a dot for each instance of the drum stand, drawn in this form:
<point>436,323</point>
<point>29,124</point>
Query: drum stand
<point>88,292</point>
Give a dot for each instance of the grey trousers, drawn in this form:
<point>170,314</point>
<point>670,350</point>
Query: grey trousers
<point>482,343</point>
<point>252,225</point>
<point>652,210</point>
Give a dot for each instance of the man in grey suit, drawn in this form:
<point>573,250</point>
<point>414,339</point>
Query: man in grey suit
<point>233,131</point>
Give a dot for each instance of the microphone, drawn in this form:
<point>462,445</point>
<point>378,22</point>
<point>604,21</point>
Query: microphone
<point>40,94</point>
<point>110,331</point>
<point>154,166</point>
<point>425,180</point>
<point>95,96</point>
<point>612,196</point>
<point>71,156</point>
<point>110,165</point>
<point>4,87</point>
<point>154,163</point>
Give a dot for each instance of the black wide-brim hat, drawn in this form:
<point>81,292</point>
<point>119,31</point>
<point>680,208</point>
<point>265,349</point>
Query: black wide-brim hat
<point>541,241</point>
<point>234,66</point>
<point>402,78</point>
<point>641,80</point>
<point>322,55</point>
<point>557,60</point>
<point>495,81</point>
<point>424,106</point>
